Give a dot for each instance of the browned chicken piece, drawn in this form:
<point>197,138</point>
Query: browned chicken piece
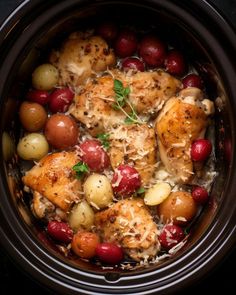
<point>182,120</point>
<point>136,145</point>
<point>53,178</point>
<point>149,90</point>
<point>129,224</point>
<point>42,208</point>
<point>94,105</point>
<point>81,56</point>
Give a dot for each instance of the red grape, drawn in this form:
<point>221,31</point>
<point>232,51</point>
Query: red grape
<point>126,180</point>
<point>201,149</point>
<point>200,195</point>
<point>133,63</point>
<point>175,63</point>
<point>152,51</point>
<point>94,155</point>
<point>126,43</point>
<point>60,231</point>
<point>109,253</point>
<point>171,235</point>
<point>192,80</point>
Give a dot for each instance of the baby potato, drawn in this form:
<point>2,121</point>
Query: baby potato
<point>157,194</point>
<point>81,217</point>
<point>61,131</point>
<point>33,146</point>
<point>32,115</point>
<point>8,146</point>
<point>178,208</point>
<point>45,77</point>
<point>84,244</point>
<point>98,191</point>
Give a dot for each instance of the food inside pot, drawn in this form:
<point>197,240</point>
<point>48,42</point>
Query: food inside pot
<point>115,149</point>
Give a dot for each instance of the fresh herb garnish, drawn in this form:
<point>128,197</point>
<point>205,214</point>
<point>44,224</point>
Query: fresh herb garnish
<point>80,168</point>
<point>140,191</point>
<point>132,118</point>
<point>122,93</point>
<point>122,99</point>
<point>104,138</point>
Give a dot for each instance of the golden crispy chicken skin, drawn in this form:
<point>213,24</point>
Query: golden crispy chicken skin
<point>53,178</point>
<point>182,120</point>
<point>148,92</point>
<point>80,57</point>
<point>136,145</point>
<point>93,106</point>
<point>129,223</point>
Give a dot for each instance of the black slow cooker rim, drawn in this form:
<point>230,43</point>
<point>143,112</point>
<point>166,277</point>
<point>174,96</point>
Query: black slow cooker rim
<point>48,269</point>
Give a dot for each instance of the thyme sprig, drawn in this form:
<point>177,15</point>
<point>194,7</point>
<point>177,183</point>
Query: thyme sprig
<point>121,100</point>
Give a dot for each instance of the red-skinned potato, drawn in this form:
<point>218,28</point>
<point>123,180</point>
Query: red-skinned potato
<point>126,43</point>
<point>61,131</point>
<point>107,30</point>
<point>39,96</point>
<point>94,155</point>
<point>60,99</point>
<point>152,51</point>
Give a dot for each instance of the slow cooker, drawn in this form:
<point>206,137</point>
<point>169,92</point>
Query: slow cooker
<point>24,39</point>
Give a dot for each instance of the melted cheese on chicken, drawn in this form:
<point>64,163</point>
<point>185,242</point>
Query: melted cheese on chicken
<point>135,145</point>
<point>94,105</point>
<point>129,223</point>
<point>181,121</point>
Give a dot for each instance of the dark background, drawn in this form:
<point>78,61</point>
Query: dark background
<point>221,280</point>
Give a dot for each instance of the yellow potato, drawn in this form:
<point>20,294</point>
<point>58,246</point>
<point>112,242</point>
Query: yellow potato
<point>33,146</point>
<point>98,191</point>
<point>8,146</point>
<point>45,77</point>
<point>157,194</point>
<point>179,208</point>
<point>81,217</point>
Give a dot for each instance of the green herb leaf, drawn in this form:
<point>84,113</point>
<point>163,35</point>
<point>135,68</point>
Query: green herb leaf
<point>141,190</point>
<point>104,138</point>
<point>121,93</point>
<point>80,168</point>
<point>132,118</point>
<point>121,100</point>
<point>118,86</point>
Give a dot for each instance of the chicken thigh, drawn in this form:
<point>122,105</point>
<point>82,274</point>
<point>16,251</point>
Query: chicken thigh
<point>129,224</point>
<point>182,120</point>
<point>136,145</point>
<point>94,106</point>
<point>149,90</point>
<point>53,178</point>
<point>80,57</point>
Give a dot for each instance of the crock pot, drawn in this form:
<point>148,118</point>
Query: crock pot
<point>24,39</point>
